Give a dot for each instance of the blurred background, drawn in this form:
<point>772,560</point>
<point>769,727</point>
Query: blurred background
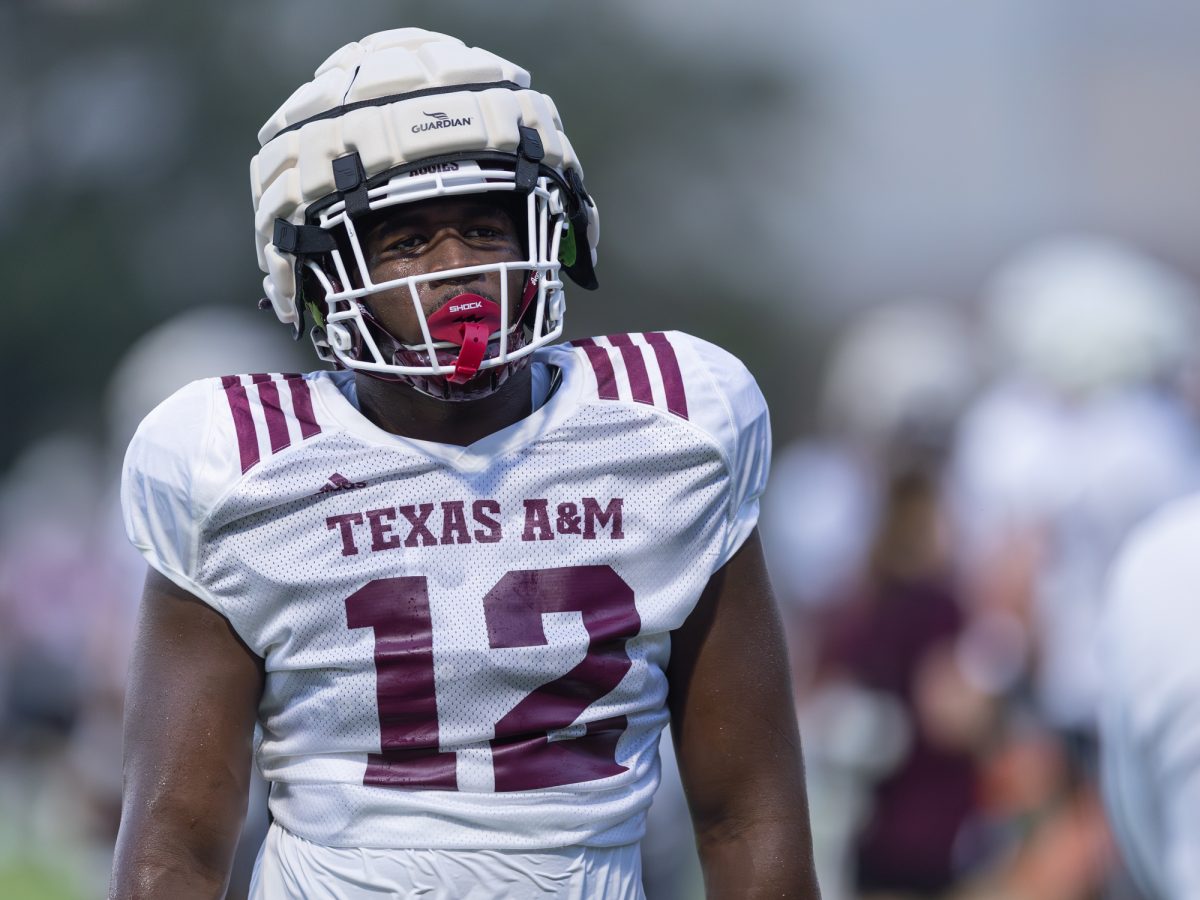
<point>955,242</point>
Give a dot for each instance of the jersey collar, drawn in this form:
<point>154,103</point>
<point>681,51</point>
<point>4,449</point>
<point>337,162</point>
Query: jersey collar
<point>331,391</point>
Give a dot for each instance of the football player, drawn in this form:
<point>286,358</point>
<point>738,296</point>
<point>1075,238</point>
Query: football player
<point>448,593</point>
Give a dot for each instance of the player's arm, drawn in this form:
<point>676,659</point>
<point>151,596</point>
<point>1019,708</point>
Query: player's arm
<point>736,737</point>
<point>190,709</point>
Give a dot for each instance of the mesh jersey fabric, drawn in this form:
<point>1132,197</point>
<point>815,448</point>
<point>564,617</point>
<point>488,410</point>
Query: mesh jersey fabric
<point>464,646</point>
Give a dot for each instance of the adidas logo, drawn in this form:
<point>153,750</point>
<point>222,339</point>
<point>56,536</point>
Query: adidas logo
<point>340,483</point>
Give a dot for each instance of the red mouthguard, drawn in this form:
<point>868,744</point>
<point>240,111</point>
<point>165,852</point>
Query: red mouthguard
<point>467,320</point>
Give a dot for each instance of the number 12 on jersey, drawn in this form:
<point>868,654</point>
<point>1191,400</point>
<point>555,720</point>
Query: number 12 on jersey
<point>523,756</point>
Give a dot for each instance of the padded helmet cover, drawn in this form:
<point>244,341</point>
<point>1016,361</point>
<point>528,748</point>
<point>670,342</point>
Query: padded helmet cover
<point>397,98</point>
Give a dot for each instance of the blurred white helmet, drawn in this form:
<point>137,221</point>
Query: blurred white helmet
<point>902,371</point>
<point>197,343</point>
<point>398,117</point>
<point>1080,313</point>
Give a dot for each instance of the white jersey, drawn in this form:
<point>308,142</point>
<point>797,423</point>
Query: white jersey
<point>1150,717</point>
<point>464,646</point>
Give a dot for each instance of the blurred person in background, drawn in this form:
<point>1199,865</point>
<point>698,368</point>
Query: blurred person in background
<point>1150,712</point>
<point>395,768</point>
<point>1081,433</point>
<point>896,725</point>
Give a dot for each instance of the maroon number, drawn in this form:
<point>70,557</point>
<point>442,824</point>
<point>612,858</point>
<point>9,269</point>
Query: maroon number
<point>524,755</point>
<point>525,752</point>
<point>398,610</point>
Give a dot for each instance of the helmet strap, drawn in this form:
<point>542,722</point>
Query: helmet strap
<point>350,179</point>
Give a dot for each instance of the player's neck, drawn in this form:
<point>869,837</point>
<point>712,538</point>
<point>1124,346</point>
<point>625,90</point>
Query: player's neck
<point>398,408</point>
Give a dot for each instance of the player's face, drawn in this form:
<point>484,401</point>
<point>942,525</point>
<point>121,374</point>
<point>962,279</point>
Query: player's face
<point>434,235</point>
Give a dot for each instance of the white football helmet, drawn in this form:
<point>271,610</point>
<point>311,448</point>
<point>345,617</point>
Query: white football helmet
<point>398,117</point>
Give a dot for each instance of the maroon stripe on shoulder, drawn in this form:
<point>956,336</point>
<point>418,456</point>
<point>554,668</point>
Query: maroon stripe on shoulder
<point>606,378</point>
<point>635,366</point>
<point>277,430</point>
<point>302,405</point>
<point>260,377</point>
<point>668,365</point>
<point>243,422</point>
